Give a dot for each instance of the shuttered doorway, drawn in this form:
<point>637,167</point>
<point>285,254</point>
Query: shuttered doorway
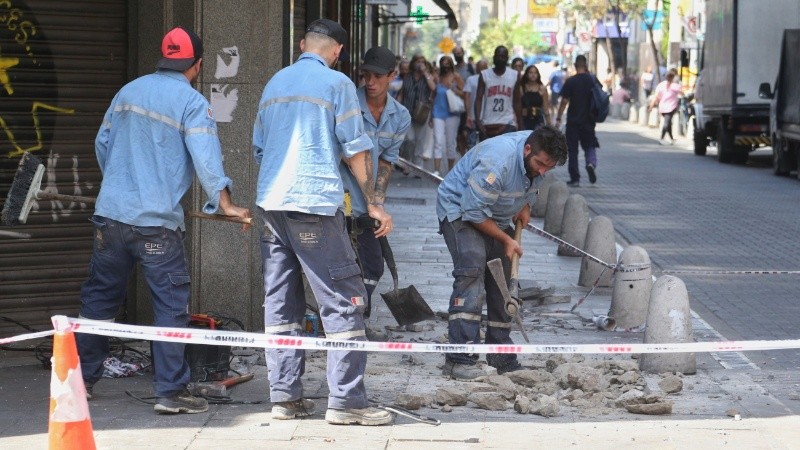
<point>61,62</point>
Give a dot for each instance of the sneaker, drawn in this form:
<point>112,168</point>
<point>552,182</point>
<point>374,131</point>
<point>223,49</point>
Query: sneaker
<point>662,142</point>
<point>89,389</point>
<point>181,402</point>
<point>295,408</point>
<point>463,372</point>
<point>366,416</point>
<point>575,183</point>
<point>592,174</point>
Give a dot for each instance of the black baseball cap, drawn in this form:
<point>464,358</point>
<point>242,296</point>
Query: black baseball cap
<point>378,60</point>
<point>333,30</point>
<point>180,48</point>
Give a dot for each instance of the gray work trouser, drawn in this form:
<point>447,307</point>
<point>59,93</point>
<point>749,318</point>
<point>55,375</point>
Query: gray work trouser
<point>471,250</point>
<point>320,247</point>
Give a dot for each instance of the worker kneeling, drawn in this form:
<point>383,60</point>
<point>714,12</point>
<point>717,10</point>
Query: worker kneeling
<point>494,183</point>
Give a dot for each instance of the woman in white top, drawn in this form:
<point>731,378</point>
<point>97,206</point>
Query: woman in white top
<point>666,97</point>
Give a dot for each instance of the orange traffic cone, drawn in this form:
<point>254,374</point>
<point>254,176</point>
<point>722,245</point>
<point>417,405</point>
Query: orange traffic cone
<point>70,424</point>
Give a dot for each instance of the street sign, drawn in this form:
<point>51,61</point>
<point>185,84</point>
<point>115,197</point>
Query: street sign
<point>446,45</point>
<point>537,9</point>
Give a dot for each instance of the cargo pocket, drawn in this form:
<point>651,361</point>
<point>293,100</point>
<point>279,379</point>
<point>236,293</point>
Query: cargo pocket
<point>179,291</point>
<point>347,282</point>
<point>467,289</point>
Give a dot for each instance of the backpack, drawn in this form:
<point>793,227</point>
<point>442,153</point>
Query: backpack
<point>598,107</point>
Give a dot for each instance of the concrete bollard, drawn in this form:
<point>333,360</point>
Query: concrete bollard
<point>669,320</point>
<point>654,119</point>
<point>633,117</point>
<point>644,116</point>
<point>632,285</point>
<point>540,207</point>
<point>600,241</point>
<point>556,198</point>
<point>574,224</point>
<point>625,111</point>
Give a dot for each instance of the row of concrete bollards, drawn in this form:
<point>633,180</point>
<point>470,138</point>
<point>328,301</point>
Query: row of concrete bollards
<point>635,300</point>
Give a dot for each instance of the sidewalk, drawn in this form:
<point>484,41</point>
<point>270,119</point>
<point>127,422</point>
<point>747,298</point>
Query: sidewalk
<point>699,415</point>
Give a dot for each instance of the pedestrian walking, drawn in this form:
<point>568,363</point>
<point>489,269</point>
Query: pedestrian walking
<point>493,185</point>
<point>518,64</point>
<point>157,135</point>
<point>309,120</point>
<point>577,93</point>
<point>465,71</point>
<point>445,122</point>
<point>386,122</point>
<point>555,82</point>
<point>416,96</point>
<point>667,97</point>
<point>494,109</point>
<point>646,81</point>
<point>470,88</point>
<point>531,102</point>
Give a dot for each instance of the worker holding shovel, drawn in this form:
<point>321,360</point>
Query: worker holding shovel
<point>494,183</point>
<point>385,122</point>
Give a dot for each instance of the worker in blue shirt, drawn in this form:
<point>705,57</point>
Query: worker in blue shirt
<point>386,122</point>
<point>308,121</point>
<point>492,186</point>
<point>158,133</point>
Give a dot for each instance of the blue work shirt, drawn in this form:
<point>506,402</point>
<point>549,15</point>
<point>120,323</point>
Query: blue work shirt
<point>308,119</point>
<point>157,133</point>
<point>489,182</point>
<point>387,137</point>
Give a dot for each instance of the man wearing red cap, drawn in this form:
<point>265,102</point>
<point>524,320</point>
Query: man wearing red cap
<point>158,133</point>
<point>308,121</point>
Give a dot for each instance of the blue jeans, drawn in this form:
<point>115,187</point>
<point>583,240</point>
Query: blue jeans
<point>471,250</point>
<point>160,253</point>
<point>584,135</point>
<point>320,247</point>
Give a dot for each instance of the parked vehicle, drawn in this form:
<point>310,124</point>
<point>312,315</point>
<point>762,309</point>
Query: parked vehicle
<point>737,56</point>
<point>784,117</point>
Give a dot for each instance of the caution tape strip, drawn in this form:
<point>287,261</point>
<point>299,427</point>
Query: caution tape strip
<point>25,337</point>
<point>732,272</point>
<point>246,339</point>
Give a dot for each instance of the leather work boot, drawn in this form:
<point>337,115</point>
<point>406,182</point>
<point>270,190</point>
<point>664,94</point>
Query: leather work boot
<point>295,408</point>
<point>181,402</point>
<point>463,372</point>
<point>366,416</point>
<point>512,366</point>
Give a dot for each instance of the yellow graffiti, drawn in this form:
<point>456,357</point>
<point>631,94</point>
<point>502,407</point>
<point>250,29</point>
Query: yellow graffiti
<point>35,107</point>
<point>7,63</point>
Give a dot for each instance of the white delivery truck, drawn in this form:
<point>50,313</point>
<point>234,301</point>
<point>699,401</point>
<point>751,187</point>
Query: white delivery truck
<point>741,50</point>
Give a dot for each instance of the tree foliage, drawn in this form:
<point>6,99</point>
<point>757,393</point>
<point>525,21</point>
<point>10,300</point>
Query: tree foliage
<point>509,33</point>
<point>428,37</point>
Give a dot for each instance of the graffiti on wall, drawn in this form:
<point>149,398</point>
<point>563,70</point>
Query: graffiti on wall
<point>25,125</point>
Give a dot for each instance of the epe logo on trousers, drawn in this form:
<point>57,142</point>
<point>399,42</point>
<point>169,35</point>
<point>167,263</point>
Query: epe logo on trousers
<point>308,238</point>
<point>154,248</point>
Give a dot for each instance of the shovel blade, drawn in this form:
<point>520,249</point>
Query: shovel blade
<point>407,306</point>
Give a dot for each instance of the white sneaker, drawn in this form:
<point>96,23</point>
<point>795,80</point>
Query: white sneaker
<point>662,142</point>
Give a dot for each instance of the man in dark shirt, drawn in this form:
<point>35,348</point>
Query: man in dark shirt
<point>577,93</point>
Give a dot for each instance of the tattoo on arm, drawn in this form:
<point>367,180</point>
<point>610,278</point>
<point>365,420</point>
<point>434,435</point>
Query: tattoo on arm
<point>382,182</point>
<point>368,187</point>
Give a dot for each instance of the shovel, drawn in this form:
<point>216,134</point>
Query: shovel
<point>510,293</point>
<point>406,305</point>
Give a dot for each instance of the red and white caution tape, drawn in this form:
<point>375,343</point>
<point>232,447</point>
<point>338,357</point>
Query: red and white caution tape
<point>245,339</point>
<point>25,337</point>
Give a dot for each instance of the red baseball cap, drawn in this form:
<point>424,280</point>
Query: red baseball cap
<point>180,48</point>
